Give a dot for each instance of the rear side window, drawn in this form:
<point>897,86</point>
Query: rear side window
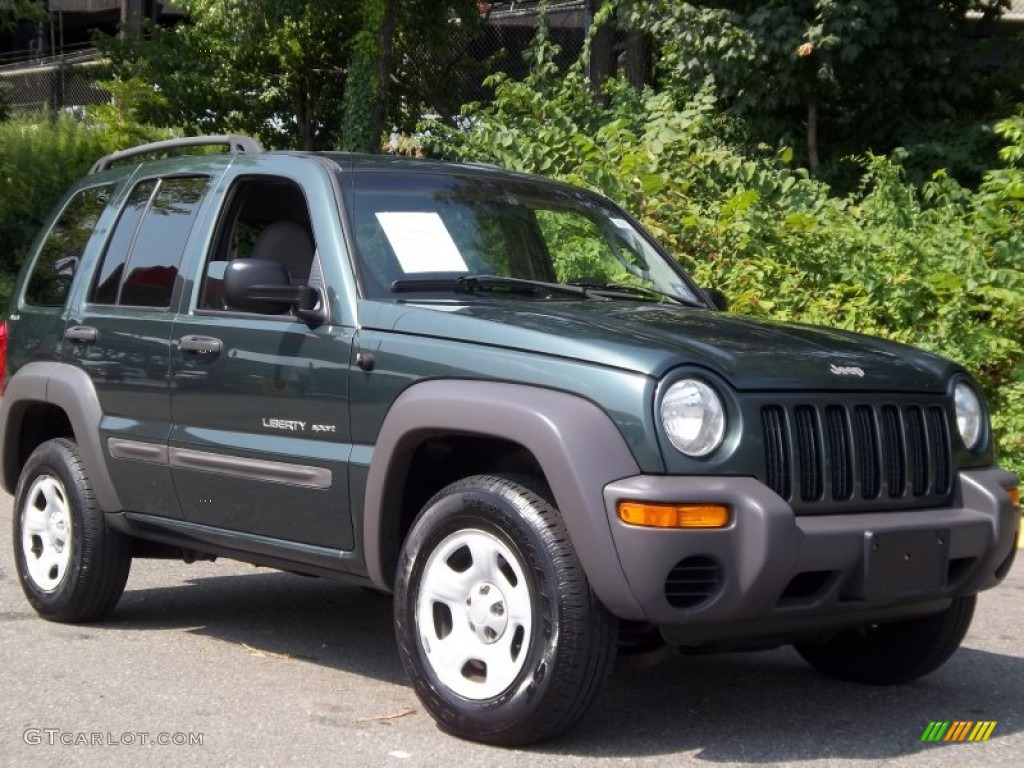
<point>148,243</point>
<point>58,260</point>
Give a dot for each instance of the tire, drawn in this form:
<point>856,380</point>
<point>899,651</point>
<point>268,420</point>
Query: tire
<point>497,627</point>
<point>71,564</point>
<point>891,654</point>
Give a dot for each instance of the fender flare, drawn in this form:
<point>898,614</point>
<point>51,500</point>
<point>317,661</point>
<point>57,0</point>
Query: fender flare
<point>71,390</point>
<point>576,444</point>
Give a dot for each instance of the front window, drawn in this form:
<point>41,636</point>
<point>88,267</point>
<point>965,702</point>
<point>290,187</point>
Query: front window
<point>422,232</point>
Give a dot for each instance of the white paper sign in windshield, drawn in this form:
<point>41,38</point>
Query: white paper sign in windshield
<point>421,242</point>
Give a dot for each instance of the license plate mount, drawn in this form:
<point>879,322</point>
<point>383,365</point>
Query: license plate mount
<point>899,563</point>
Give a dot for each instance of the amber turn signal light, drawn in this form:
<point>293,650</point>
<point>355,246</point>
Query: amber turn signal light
<point>1014,495</point>
<point>674,515</point>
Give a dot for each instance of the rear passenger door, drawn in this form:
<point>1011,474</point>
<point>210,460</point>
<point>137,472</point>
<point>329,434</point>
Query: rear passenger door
<point>261,443</point>
<point>119,333</point>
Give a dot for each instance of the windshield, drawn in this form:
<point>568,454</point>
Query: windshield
<point>442,233</point>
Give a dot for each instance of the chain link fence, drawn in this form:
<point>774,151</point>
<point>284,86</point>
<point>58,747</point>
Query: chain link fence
<point>53,83</point>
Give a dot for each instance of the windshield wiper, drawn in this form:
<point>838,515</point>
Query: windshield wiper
<point>609,290</point>
<point>474,283</point>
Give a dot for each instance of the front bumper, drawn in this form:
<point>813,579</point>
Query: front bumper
<point>773,574</point>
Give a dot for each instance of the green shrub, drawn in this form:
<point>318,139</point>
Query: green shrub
<point>936,265</point>
<point>39,159</point>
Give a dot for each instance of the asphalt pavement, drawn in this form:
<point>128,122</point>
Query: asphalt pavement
<point>226,664</point>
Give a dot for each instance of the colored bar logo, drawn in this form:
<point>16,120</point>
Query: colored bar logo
<point>958,730</point>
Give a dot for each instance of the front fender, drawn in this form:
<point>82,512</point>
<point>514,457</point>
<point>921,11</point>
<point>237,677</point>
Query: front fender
<point>576,444</point>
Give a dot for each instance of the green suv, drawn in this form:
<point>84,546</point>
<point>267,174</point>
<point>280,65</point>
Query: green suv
<point>497,398</point>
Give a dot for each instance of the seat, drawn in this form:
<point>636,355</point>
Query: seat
<point>289,244</point>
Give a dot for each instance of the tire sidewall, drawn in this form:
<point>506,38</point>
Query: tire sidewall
<point>512,524</point>
<point>51,459</point>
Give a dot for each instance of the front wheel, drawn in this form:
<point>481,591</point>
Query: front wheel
<point>497,627</point>
<point>894,653</point>
<point>71,564</point>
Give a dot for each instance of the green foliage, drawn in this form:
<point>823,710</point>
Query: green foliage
<point>364,86</point>
<point>879,75</point>
<point>121,119</point>
<point>39,160</point>
<point>14,12</point>
<point>933,265</point>
<point>274,70</point>
<point>293,73</point>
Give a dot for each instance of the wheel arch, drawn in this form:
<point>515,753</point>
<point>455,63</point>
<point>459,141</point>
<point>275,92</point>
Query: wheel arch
<point>576,446</point>
<point>44,400</point>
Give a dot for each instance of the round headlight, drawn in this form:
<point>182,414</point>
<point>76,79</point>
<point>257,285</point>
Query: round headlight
<point>969,415</point>
<point>693,416</point>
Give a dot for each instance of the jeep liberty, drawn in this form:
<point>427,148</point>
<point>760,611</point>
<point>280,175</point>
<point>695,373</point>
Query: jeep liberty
<point>495,397</point>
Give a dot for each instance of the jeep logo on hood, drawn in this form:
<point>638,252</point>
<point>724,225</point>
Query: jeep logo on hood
<point>847,370</point>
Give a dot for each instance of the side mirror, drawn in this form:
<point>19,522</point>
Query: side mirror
<point>718,299</point>
<point>263,286</point>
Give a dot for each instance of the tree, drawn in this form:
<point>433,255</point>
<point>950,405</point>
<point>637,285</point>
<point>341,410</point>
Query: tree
<point>14,12</point>
<point>849,75</point>
<point>313,74</point>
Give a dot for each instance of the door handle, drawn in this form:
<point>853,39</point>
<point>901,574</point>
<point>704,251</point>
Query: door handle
<point>200,345</point>
<point>83,334</point>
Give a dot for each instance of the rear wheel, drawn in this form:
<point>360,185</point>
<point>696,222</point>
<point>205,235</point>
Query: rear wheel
<point>497,626</point>
<point>71,564</point>
<point>890,654</point>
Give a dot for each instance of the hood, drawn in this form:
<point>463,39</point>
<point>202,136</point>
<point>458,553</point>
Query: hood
<point>654,338</point>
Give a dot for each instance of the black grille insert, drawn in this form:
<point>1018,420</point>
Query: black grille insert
<point>776,449</point>
<point>809,449</point>
<point>917,451</point>
<point>839,454</point>
<point>874,455</point>
<point>895,451</point>
<point>868,453</point>
<point>939,449</point>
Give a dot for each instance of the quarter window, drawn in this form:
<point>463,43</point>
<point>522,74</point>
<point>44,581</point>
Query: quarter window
<point>58,259</point>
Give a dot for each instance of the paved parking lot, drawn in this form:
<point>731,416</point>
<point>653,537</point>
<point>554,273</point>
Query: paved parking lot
<point>274,669</point>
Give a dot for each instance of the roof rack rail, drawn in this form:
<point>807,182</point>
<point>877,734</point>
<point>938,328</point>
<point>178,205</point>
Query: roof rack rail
<point>237,145</point>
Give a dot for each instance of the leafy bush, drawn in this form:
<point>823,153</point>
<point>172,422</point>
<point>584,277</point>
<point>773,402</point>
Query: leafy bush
<point>936,265</point>
<point>39,159</point>
<point>836,77</point>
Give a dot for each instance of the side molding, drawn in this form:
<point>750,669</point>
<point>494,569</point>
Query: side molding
<point>575,443</point>
<point>71,390</point>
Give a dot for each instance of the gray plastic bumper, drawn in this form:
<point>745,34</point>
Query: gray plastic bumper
<point>772,573</point>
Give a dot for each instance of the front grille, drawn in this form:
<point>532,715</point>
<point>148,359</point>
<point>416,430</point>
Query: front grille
<point>823,456</point>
